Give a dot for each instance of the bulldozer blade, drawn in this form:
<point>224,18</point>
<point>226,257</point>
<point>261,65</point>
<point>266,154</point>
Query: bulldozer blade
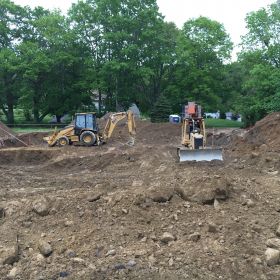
<point>200,155</point>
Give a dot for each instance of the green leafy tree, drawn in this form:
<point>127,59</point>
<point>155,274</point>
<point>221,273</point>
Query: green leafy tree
<point>12,25</point>
<point>203,48</point>
<point>260,54</point>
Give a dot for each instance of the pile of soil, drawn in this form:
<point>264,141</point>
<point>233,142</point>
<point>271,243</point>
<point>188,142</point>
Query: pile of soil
<point>5,132</point>
<point>266,131</point>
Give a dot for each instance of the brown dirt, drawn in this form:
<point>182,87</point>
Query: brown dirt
<point>108,207</point>
<point>5,131</point>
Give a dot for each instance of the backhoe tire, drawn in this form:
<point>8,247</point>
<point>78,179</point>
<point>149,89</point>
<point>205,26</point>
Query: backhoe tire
<point>63,141</point>
<point>88,138</point>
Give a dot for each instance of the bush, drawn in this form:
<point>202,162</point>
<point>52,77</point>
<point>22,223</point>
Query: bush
<point>252,114</point>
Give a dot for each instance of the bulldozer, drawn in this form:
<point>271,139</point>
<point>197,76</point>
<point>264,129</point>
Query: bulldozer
<point>194,137</point>
<point>85,130</point>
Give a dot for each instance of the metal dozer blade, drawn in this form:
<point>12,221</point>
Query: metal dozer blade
<point>199,154</point>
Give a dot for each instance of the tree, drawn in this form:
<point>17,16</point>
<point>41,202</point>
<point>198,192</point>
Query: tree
<point>161,110</point>
<point>260,53</point>
<point>203,48</point>
<point>12,25</point>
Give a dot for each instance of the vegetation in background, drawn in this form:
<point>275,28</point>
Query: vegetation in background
<point>51,64</point>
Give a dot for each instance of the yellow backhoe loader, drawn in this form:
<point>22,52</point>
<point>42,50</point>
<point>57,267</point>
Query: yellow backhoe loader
<point>194,137</point>
<point>85,130</point>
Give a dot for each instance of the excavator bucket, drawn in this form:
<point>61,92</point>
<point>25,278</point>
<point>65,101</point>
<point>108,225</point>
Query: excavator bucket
<point>199,154</point>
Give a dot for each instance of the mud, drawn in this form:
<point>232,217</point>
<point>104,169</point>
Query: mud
<point>105,209</point>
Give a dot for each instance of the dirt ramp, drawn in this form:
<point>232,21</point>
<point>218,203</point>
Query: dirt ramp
<point>23,156</point>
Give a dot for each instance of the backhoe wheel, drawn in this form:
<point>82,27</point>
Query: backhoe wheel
<point>88,138</point>
<point>63,141</point>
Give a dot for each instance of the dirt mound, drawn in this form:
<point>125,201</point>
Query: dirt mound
<point>5,132</point>
<point>266,131</point>
<point>26,156</point>
<point>262,138</point>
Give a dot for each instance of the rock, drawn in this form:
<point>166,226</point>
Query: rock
<point>272,256</point>
<point>68,223</point>
<point>278,231</point>
<point>94,197</point>
<point>161,195</point>
<point>140,253</point>
<point>110,253</point>
<point>152,260</point>
<point>71,253</point>
<point>45,248</point>
<point>273,243</point>
<point>212,227</point>
<point>216,204</point>
<point>131,263</point>
<point>125,211</point>
<point>78,260</point>
<point>211,189</point>
<point>41,206</point>
<point>263,148</point>
<point>167,237</point>
<point>39,258</point>
<point>254,155</point>
<point>250,203</point>
<point>119,266</point>
<point>2,212</point>
<point>63,274</point>
<point>171,262</point>
<point>194,237</point>
<point>9,255</point>
<point>13,272</point>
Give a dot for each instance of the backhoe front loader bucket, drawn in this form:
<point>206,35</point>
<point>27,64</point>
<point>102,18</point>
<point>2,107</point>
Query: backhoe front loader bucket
<point>199,154</point>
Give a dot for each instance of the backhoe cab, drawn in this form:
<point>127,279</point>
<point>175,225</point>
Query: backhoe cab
<point>86,132</point>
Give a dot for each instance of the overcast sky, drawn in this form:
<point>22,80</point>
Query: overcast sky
<point>229,12</point>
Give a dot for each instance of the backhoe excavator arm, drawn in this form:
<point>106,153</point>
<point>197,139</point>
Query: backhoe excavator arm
<point>114,119</point>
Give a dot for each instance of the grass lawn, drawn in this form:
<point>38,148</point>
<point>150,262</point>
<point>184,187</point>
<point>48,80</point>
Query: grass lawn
<point>31,129</point>
<point>222,123</point>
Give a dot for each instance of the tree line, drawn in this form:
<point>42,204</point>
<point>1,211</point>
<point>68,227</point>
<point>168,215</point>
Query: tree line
<point>51,63</point>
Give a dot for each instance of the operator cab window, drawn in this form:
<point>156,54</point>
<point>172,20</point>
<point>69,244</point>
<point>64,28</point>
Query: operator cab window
<point>86,121</point>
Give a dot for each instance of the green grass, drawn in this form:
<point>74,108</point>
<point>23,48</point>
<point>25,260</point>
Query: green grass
<point>31,129</point>
<point>222,123</point>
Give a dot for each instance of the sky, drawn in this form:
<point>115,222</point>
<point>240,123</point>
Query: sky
<point>231,13</point>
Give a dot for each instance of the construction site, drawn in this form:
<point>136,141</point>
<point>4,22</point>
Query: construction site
<point>121,211</point>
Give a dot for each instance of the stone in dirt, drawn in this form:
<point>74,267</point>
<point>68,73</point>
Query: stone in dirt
<point>41,206</point>
<point>131,263</point>
<point>2,212</point>
<point>162,195</point>
<point>45,248</point>
<point>167,237</point>
<point>195,236</point>
<point>13,273</point>
<point>94,197</point>
<point>212,227</point>
<point>272,256</point>
<point>273,243</point>
<point>9,255</point>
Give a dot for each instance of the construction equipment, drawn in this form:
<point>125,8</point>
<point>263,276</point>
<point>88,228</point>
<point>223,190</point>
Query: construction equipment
<point>194,137</point>
<point>86,132</point>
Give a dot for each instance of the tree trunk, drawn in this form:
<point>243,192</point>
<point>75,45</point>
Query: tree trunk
<point>36,112</point>
<point>58,118</point>
<point>99,102</point>
<point>10,111</point>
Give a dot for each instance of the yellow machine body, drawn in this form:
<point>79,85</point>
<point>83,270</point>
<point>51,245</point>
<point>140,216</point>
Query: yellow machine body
<point>86,132</point>
<point>194,138</point>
